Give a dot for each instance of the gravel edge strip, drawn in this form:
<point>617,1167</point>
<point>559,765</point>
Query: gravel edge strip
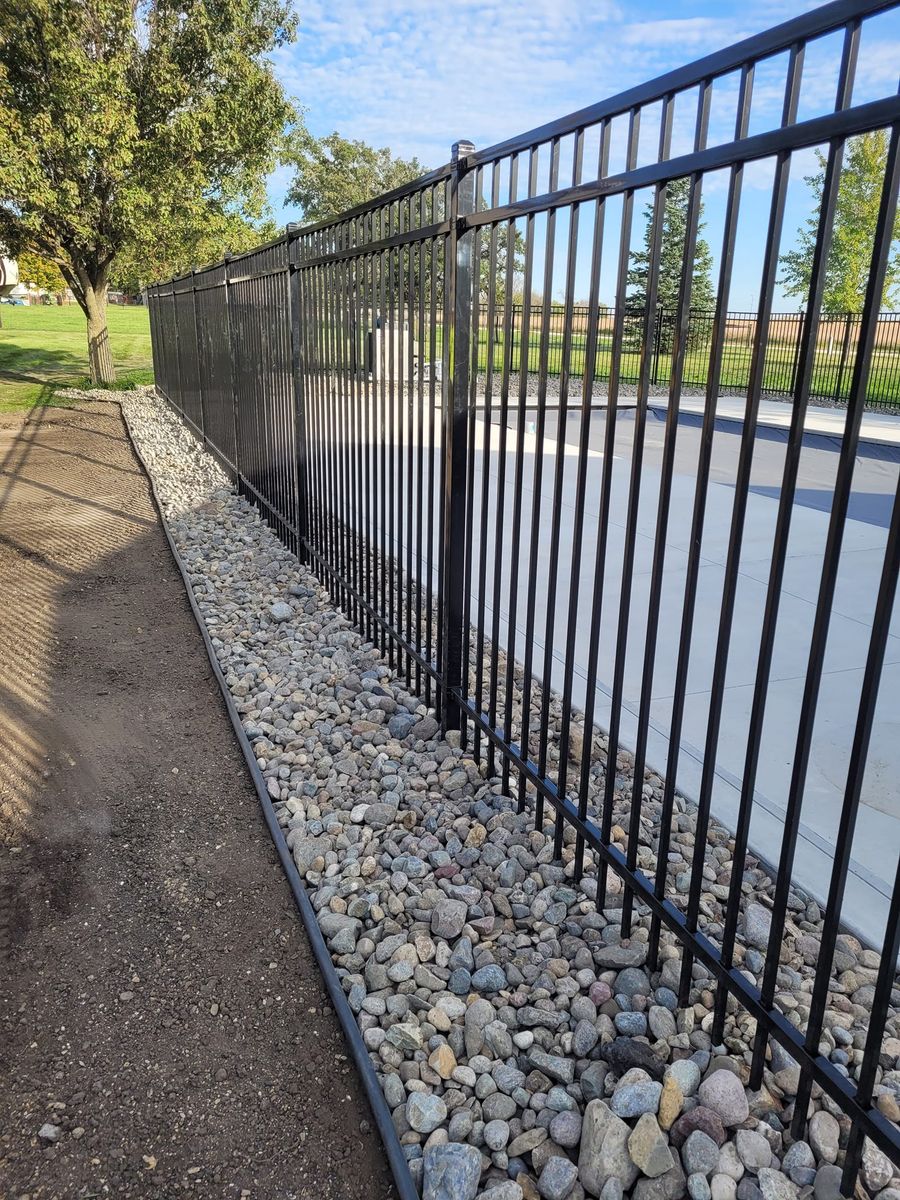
<point>374,1094</point>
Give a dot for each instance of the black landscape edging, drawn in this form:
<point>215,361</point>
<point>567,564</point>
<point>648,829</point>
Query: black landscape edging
<point>380,1111</point>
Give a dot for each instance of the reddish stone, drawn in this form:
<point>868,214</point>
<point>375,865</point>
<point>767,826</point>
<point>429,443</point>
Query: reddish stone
<point>698,1118</point>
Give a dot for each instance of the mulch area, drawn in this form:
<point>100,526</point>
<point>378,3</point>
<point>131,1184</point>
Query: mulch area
<point>160,1007</point>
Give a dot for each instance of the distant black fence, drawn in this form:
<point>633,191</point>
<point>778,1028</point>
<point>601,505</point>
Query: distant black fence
<point>837,342</point>
<point>340,375</point>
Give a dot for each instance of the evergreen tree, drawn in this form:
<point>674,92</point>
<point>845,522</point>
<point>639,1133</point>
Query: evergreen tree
<point>674,230</point>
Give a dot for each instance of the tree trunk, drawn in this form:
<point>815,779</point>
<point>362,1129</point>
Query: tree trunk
<point>99,352</point>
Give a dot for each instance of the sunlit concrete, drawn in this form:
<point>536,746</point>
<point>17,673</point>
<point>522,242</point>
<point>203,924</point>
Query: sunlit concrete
<point>876,844</point>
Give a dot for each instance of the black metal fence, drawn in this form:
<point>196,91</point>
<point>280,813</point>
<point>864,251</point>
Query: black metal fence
<point>336,374</point>
<point>837,341</point>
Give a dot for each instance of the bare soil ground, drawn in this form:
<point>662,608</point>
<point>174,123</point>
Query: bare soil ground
<point>159,1002</point>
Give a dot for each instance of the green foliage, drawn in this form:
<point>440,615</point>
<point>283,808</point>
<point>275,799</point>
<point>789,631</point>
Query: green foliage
<point>126,126</point>
<point>672,246</point>
<point>855,217</point>
<point>191,245</point>
<point>334,173</point>
<point>39,272</point>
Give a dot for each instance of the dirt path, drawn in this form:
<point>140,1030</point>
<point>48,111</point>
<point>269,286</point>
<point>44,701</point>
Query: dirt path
<point>159,1004</point>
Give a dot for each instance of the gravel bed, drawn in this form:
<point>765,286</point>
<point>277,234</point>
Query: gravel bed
<point>523,1048</point>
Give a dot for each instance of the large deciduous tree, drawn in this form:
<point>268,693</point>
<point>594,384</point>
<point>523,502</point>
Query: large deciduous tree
<point>855,217</point>
<point>334,173</point>
<point>124,123</point>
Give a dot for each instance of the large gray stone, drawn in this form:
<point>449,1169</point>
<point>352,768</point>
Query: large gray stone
<point>307,850</point>
<point>501,1189</point>
<point>876,1167</point>
<point>557,1178</point>
<point>552,1065</point>
<point>448,918</point>
<point>340,931</point>
<point>488,979</point>
<point>649,1147</point>
<point>700,1154</point>
<point>592,1080</point>
<point>496,1134</point>
<point>379,815</point>
<point>565,1128</point>
<point>584,1038</point>
<point>425,1112</point>
<point>824,1136</point>
<point>636,1093</point>
<point>686,1074</point>
<point>615,958</point>
<point>798,1158</point>
<point>753,1149</point>
<point>478,1016</point>
<point>828,1183</point>
<point>670,1186</point>
<point>426,728</point>
<point>776,1186</point>
<point>604,1150</point>
<point>527,1141</point>
<point>724,1093</point>
<point>757,923</point>
<point>451,1172</point>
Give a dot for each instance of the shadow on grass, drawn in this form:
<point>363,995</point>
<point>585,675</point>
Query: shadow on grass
<point>33,365</point>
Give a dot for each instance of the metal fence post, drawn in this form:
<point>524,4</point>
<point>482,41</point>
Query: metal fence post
<point>229,334</point>
<point>177,326</point>
<point>845,348</point>
<point>459,256</point>
<point>295,304</point>
<point>200,387</point>
<point>657,343</point>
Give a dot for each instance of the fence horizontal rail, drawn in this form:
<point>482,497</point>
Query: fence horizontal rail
<point>638,626</point>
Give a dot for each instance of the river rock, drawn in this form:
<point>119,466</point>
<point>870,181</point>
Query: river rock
<point>724,1093</point>
<point>649,1147</point>
<point>604,1149</point>
<point>425,1112</point>
<point>448,918</point>
<point>776,1186</point>
<point>824,1135</point>
<point>451,1172</point>
<point>557,1178</point>
<point>624,1053</point>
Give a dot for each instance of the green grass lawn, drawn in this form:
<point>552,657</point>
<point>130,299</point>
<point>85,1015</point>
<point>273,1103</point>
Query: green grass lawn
<point>827,378</point>
<point>43,348</point>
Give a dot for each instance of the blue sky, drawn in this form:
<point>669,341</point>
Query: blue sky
<point>416,75</point>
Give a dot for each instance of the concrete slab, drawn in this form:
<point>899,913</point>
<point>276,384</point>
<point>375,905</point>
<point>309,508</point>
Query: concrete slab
<point>877,840</point>
<point>877,427</point>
